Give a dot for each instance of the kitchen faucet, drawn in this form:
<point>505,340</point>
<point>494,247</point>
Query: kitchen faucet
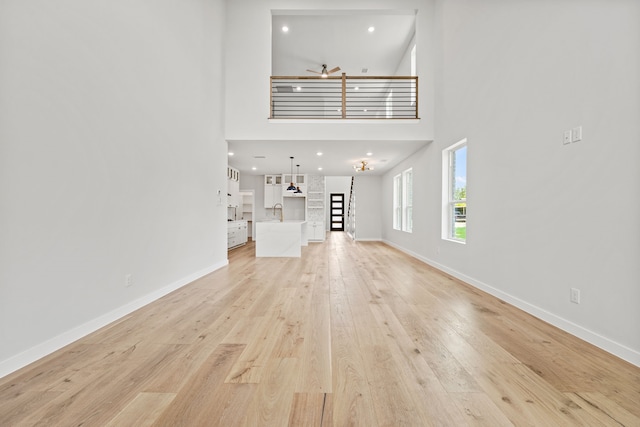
<point>281,211</point>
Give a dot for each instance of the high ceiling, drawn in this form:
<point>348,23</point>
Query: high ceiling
<point>337,39</point>
<point>340,40</point>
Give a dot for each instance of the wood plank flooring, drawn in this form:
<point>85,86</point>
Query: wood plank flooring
<point>350,334</point>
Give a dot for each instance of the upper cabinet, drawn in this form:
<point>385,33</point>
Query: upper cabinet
<point>233,174</point>
<point>273,180</point>
<point>233,187</point>
<point>272,190</point>
<point>299,181</point>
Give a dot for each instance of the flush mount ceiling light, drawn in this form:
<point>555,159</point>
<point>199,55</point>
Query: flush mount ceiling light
<point>362,167</point>
<point>292,185</point>
<point>371,29</point>
<point>285,29</point>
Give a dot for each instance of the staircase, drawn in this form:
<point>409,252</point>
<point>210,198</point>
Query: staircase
<point>351,212</point>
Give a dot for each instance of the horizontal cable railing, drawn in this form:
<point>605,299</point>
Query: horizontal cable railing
<point>344,97</point>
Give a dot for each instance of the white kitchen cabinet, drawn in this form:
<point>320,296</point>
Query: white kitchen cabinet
<point>273,180</point>
<point>236,233</point>
<point>316,231</point>
<point>247,210</point>
<point>299,181</point>
<point>233,187</point>
<point>272,190</point>
<point>233,173</point>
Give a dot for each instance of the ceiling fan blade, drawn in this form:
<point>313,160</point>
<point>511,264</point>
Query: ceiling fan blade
<point>313,71</point>
<point>334,70</point>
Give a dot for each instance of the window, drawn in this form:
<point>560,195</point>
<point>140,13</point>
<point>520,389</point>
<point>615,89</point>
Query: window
<point>414,72</point>
<point>403,201</point>
<point>414,63</point>
<point>407,199</point>
<point>454,190</point>
<point>397,202</point>
<point>389,104</point>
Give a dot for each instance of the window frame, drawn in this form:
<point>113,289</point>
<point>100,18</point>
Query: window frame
<point>397,202</point>
<point>407,200</point>
<point>403,201</point>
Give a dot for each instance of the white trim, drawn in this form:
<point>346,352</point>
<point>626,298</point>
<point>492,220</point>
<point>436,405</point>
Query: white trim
<point>56,343</point>
<point>630,355</point>
<point>368,240</point>
<point>347,121</point>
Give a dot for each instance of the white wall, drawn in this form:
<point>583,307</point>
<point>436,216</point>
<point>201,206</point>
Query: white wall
<point>542,216</point>
<point>404,66</point>
<point>335,184</point>
<point>112,150</point>
<point>368,207</point>
<point>248,64</point>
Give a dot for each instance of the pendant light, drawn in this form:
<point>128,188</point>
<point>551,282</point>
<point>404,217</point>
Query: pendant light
<point>298,190</point>
<point>292,185</point>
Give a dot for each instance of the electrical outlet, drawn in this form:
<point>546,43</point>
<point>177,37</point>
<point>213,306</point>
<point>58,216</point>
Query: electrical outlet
<point>566,137</point>
<point>128,280</point>
<point>575,296</point>
<point>576,134</point>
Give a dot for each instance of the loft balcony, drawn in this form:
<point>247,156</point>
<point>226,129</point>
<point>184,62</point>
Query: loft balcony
<point>344,97</point>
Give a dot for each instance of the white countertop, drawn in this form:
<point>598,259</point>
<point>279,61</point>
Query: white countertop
<point>286,221</point>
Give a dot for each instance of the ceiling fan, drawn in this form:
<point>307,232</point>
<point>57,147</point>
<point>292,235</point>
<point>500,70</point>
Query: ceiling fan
<point>325,72</point>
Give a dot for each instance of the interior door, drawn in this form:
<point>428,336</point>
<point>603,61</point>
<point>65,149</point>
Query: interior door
<point>337,211</point>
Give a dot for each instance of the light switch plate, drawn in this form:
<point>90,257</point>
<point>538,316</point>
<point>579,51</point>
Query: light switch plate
<point>566,139</point>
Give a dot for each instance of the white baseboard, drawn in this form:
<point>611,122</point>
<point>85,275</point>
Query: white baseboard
<point>41,350</point>
<point>630,355</point>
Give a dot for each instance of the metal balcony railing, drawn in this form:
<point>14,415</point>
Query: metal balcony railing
<point>344,97</point>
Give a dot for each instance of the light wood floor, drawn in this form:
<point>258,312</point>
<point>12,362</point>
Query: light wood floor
<point>349,334</point>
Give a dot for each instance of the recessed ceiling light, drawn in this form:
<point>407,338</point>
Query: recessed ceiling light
<point>371,29</point>
<point>319,153</point>
<point>230,153</point>
<point>254,168</point>
<point>285,29</point>
<point>319,169</point>
<point>369,153</point>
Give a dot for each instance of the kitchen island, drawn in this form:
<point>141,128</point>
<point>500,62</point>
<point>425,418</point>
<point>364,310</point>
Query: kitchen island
<point>280,238</point>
